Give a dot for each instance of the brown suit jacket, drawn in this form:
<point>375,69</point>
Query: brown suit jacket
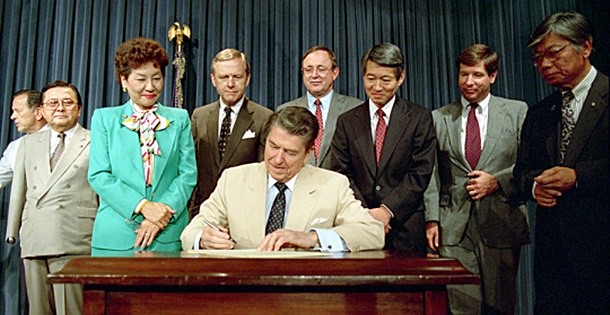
<point>245,145</point>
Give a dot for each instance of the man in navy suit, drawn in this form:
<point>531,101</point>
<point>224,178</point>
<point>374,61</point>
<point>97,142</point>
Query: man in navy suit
<point>563,165</point>
<point>385,146</point>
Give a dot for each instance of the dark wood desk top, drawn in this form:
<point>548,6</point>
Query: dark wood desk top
<point>183,269</point>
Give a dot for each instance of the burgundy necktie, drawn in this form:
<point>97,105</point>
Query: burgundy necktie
<point>379,134</point>
<point>318,141</point>
<point>473,137</point>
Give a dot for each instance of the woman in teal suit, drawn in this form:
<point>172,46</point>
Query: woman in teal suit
<point>142,159</point>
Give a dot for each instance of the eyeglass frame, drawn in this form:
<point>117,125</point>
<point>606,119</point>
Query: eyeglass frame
<point>69,106</point>
<point>550,54</point>
<point>321,70</point>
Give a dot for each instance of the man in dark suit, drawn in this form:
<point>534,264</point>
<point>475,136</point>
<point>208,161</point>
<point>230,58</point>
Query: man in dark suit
<point>226,132</point>
<point>562,164</point>
<point>473,211</point>
<point>386,148</point>
<point>320,70</point>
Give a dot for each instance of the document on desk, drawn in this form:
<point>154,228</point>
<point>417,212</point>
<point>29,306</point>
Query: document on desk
<point>253,253</point>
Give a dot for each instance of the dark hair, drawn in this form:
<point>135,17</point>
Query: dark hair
<point>476,53</point>
<point>137,52</point>
<point>331,54</point>
<point>230,54</point>
<point>33,99</point>
<point>385,54</point>
<point>60,83</point>
<point>295,120</point>
<point>571,26</point>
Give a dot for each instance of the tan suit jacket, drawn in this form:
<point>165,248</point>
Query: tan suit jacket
<point>245,145</point>
<point>55,210</point>
<point>339,104</point>
<point>321,199</point>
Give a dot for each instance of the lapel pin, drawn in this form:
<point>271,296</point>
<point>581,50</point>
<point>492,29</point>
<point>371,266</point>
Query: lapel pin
<point>593,104</point>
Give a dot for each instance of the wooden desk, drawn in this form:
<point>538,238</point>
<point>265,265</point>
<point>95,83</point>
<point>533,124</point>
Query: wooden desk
<point>181,283</point>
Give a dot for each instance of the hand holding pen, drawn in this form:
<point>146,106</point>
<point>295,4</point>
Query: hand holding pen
<point>216,237</point>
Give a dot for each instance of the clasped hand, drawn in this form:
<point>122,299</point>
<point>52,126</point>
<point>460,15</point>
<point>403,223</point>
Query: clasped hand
<point>552,183</point>
<point>157,213</point>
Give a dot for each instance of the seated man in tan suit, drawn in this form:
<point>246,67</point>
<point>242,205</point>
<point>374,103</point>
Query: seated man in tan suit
<point>284,202</point>
<point>51,201</point>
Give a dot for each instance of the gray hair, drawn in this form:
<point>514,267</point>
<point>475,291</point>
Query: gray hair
<point>572,26</point>
<point>385,54</point>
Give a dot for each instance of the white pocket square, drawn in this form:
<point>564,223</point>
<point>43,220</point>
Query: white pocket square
<point>249,134</point>
<point>317,221</point>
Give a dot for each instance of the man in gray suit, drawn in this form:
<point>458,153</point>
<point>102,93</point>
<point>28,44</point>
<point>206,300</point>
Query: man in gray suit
<point>473,210</point>
<point>320,70</point>
<point>51,201</point>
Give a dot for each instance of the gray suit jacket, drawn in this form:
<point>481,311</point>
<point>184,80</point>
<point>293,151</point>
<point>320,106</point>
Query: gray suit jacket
<point>244,146</point>
<point>321,199</point>
<point>338,105</point>
<point>501,216</point>
<point>55,210</point>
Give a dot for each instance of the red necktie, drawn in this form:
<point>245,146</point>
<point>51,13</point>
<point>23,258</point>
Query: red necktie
<point>318,141</point>
<point>473,137</point>
<point>379,134</point>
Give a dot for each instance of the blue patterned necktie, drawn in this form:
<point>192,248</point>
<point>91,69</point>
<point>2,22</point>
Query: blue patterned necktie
<point>276,217</point>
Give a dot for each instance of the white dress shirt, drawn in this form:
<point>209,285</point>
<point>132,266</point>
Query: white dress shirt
<point>482,113</point>
<point>325,100</point>
<point>234,111</point>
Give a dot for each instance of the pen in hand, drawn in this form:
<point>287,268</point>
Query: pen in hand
<point>218,229</point>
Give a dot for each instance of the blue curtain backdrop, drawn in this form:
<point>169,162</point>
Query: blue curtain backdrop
<point>75,40</point>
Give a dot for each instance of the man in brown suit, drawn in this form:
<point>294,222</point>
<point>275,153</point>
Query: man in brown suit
<point>226,132</point>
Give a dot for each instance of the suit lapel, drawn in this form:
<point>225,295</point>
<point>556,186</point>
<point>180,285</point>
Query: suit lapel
<point>256,194</point>
<point>495,125</point>
<point>336,107</point>
<point>592,111</point>
<point>75,147</point>
<point>242,123</point>
<point>453,121</point>
<point>554,129</point>
<point>396,127</point>
<point>364,138</point>
<point>302,201</point>
<point>130,140</point>
<point>302,102</point>
<point>165,140</point>
<point>211,121</point>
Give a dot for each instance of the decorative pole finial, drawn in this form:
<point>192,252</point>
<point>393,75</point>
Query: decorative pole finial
<point>178,33</point>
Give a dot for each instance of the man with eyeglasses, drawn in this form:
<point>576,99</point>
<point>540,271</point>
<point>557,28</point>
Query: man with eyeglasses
<point>226,132</point>
<point>320,69</point>
<point>52,207</point>
<point>563,165</point>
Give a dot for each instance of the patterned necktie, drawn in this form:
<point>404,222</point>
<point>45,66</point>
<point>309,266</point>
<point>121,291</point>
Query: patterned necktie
<point>225,132</point>
<point>58,150</point>
<point>473,137</point>
<point>276,217</point>
<point>568,123</point>
<point>318,141</point>
<point>379,134</point>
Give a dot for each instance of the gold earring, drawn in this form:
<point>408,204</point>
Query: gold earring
<point>124,89</point>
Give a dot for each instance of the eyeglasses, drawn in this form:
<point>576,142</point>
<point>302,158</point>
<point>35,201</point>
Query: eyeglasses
<point>322,71</point>
<point>53,104</point>
<point>551,55</point>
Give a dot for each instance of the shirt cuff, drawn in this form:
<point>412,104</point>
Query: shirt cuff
<point>140,206</point>
<point>330,241</point>
<point>197,240</point>
<point>388,209</point>
<point>534,191</point>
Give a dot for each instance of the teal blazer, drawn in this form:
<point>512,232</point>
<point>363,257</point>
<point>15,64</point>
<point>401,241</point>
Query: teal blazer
<point>116,174</point>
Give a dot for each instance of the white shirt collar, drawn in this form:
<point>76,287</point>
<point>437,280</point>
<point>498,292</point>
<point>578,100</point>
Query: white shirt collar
<point>483,104</point>
<point>324,99</point>
<point>387,108</point>
<point>235,108</point>
<point>290,184</point>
